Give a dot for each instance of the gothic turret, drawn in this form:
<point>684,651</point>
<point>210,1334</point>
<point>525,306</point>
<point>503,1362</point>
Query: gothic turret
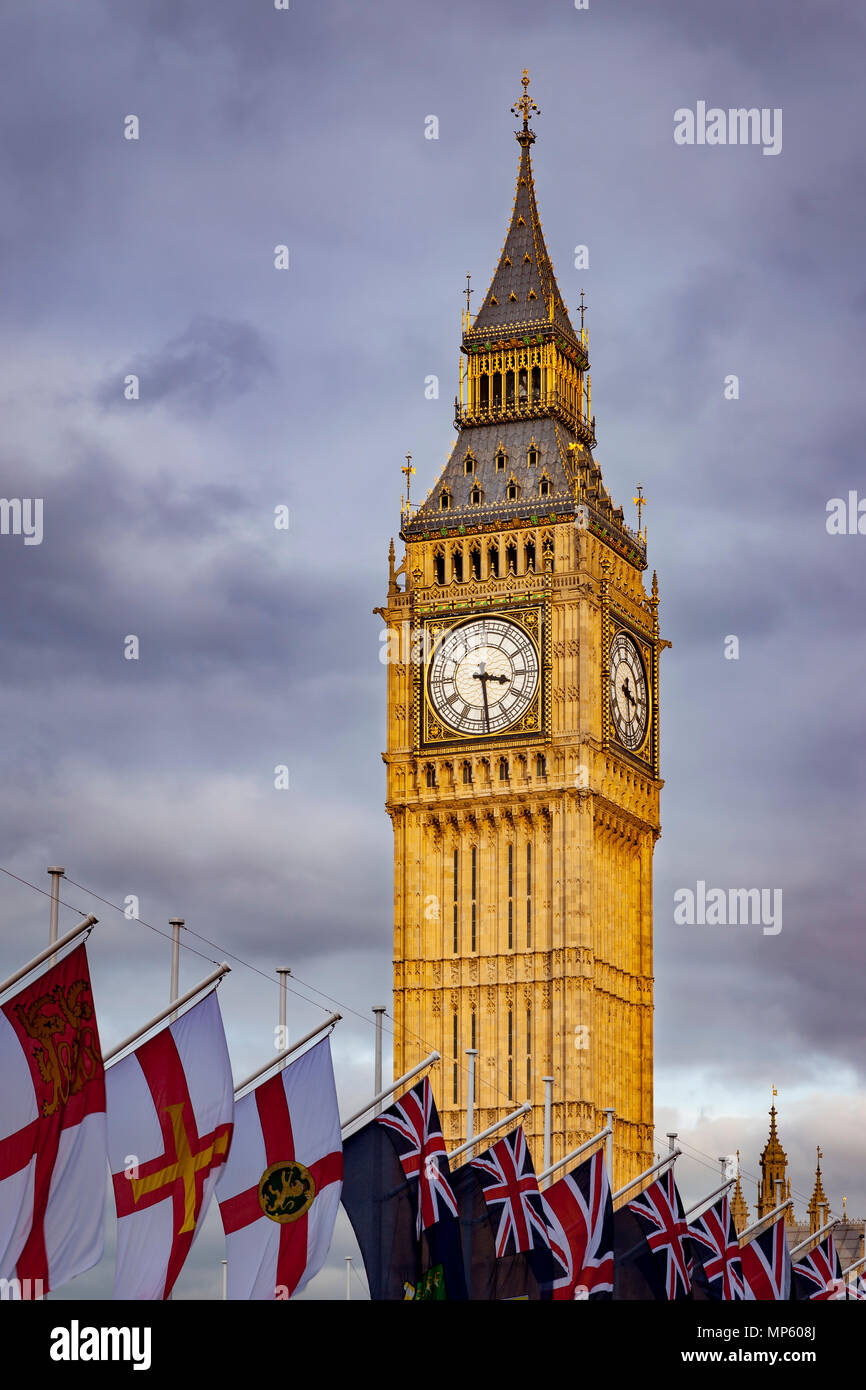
<point>775,1185</point>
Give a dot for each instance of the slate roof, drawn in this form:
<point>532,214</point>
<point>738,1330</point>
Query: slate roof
<point>520,292</point>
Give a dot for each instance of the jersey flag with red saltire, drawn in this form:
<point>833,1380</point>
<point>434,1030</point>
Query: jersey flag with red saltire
<point>170,1105</point>
<point>280,1191</point>
<point>818,1275</point>
<point>717,1273</point>
<point>397,1194</point>
<point>652,1252</point>
<point>767,1265</point>
<point>52,1129</point>
<point>580,1217</point>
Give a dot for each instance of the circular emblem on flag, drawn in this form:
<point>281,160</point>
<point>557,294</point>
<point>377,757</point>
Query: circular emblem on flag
<point>286,1190</point>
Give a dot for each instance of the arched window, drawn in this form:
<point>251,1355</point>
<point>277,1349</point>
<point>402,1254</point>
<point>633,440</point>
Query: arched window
<point>544,488</point>
<point>500,462</point>
<point>536,383</point>
<point>509,388</point>
<point>439,562</point>
<point>467,774</point>
<point>522,383</point>
<point>469,464</point>
<point>484,391</point>
<point>475,496</point>
<point>540,765</point>
<point>475,562</point>
<point>493,561</point>
<point>530,558</point>
<point>503,769</point>
<point>444,500</point>
<point>497,390</point>
<point>511,559</point>
<point>511,492</point>
<point>431,775</point>
<point>457,566</point>
<point>532,457</point>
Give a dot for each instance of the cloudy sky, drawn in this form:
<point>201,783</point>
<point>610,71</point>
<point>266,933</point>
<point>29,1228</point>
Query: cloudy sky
<point>305,387</point>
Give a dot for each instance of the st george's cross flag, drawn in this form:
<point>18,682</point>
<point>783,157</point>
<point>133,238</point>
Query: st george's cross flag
<point>52,1130</point>
<point>170,1106</point>
<point>280,1191</point>
<point>717,1272</point>
<point>651,1250</point>
<point>818,1275</point>
<point>580,1215</point>
<point>767,1265</point>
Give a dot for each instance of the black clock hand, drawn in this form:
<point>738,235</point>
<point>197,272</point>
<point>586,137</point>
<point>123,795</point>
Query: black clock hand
<point>627,693</point>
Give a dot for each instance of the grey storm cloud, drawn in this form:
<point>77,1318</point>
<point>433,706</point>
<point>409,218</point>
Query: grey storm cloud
<point>198,371</point>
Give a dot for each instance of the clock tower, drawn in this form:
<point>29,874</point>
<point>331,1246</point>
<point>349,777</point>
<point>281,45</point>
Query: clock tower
<point>522,756</point>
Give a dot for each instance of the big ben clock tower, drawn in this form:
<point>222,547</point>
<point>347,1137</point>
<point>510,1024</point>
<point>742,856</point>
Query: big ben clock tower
<point>523,738</point>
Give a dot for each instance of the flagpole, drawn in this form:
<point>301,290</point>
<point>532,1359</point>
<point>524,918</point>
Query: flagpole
<point>50,950</point>
<point>282,972</point>
<point>548,1108</point>
<point>485,1133</point>
<point>855,1265</point>
<point>173,1007</point>
<point>816,1237</point>
<point>471,1053</point>
<point>378,1010</point>
<point>656,1168</point>
<point>750,1231</point>
<point>281,1056</point>
<point>56,876</point>
<point>175,923</point>
<point>575,1153</point>
<point>707,1201</point>
<point>389,1090</point>
<point>611,1115</point>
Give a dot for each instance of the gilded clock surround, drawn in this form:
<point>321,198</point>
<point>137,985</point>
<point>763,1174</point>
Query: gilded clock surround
<point>523,860</point>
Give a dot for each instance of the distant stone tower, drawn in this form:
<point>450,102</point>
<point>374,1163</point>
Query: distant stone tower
<point>739,1207</point>
<point>775,1185</point>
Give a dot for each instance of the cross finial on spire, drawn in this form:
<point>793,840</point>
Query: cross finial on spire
<point>467,292</point>
<point>525,106</point>
<point>582,310</point>
<point>639,501</point>
<point>408,470</point>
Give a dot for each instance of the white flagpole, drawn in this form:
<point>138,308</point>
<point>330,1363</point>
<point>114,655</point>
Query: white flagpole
<point>855,1265</point>
<point>56,876</point>
<point>548,1110</point>
<point>283,971</point>
<point>51,950</point>
<point>656,1168</point>
<point>173,1007</point>
<point>281,1056</point>
<point>378,1010</point>
<point>389,1090</point>
<point>471,1053</point>
<point>575,1153</point>
<point>750,1231</point>
<point>485,1133</point>
<point>700,1207</point>
<point>175,923</point>
<point>813,1240</point>
<point>611,1116</point>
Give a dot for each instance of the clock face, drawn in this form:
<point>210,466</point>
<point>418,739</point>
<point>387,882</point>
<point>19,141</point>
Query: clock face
<point>629,706</point>
<point>483,676</point>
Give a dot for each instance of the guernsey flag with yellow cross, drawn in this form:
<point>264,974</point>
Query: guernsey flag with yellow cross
<point>170,1119</point>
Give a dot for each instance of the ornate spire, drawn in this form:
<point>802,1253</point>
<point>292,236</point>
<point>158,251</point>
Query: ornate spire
<point>739,1208</point>
<point>774,1164</point>
<point>818,1204</point>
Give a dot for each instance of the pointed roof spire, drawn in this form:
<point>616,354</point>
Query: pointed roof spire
<point>818,1204</point>
<point>739,1206</point>
<point>523,290</point>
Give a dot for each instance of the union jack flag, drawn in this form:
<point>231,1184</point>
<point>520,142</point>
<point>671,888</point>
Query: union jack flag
<point>819,1274</point>
<point>660,1213</point>
<point>511,1192</point>
<point>714,1241</point>
<point>767,1265</point>
<point>414,1122</point>
<point>580,1216</point>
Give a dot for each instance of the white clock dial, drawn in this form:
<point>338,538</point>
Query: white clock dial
<point>483,676</point>
<point>629,706</point>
